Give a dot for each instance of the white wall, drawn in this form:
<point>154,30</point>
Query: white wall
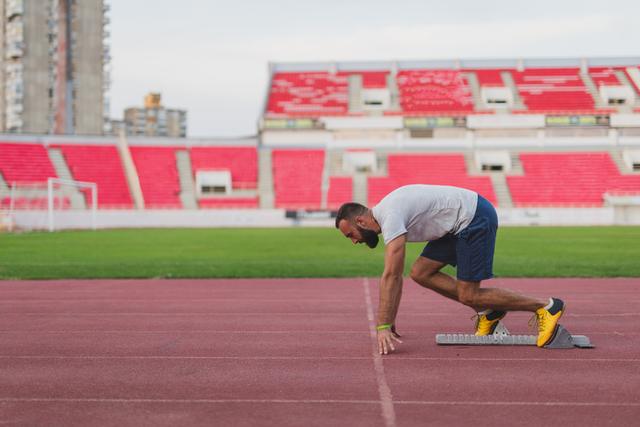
<point>276,218</point>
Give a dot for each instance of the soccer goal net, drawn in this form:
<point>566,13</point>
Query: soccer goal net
<point>51,205</point>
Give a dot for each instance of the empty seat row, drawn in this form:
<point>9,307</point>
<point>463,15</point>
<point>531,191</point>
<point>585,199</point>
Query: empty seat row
<point>299,181</point>
<point>427,92</point>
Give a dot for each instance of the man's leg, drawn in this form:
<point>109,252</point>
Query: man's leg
<point>470,294</point>
<point>426,272</point>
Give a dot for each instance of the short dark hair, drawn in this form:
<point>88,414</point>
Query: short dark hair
<point>349,211</point>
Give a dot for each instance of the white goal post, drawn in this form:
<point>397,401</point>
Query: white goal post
<point>54,184</point>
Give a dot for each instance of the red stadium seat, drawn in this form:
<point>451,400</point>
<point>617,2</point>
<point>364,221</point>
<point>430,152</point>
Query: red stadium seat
<point>158,176</point>
<point>434,91</point>
<point>25,163</point>
<point>568,179</point>
<point>297,181</point>
<point>434,169</point>
<point>100,164</point>
<point>553,89</point>
<point>242,162</point>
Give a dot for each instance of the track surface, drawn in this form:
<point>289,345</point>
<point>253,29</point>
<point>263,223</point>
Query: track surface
<point>300,352</point>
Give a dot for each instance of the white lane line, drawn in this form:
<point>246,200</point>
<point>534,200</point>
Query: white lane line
<point>386,398</point>
<point>391,359</point>
<point>507,403</point>
<point>166,300</point>
<point>169,314</point>
<point>316,401</point>
<point>195,331</point>
<point>266,313</point>
<point>231,332</point>
<point>418,313</point>
<point>140,400</point>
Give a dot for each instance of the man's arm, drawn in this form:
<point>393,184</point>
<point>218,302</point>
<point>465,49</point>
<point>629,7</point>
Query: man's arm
<point>390,291</point>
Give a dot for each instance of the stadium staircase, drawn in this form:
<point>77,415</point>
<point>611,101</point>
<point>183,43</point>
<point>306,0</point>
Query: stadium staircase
<point>355,93</point>
<point>509,82</point>
<point>130,172</point>
<point>394,94</point>
<point>476,92</point>
<point>4,188</point>
<point>360,188</point>
<point>516,164</point>
<point>624,80</point>
<point>76,198</point>
<point>265,178</point>
<point>623,167</point>
<point>592,89</point>
<point>185,176</point>
<point>501,188</point>
<point>498,181</point>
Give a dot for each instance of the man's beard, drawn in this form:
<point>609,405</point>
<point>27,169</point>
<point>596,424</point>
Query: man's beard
<point>370,237</point>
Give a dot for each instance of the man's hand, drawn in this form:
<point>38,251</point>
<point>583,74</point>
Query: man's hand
<point>385,341</point>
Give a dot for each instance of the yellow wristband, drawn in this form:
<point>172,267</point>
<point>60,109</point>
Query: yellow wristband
<point>383,327</point>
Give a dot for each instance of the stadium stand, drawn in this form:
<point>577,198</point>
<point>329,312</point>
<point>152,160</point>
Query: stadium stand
<point>297,178</point>
<point>370,79</point>
<point>553,89</point>
<point>488,77</point>
<point>242,162</point>
<point>425,91</point>
<point>100,164</point>
<point>568,179</point>
<point>25,163</point>
<point>308,170</point>
<point>158,175</point>
<point>340,191</point>
<point>604,76</point>
<point>434,91</point>
<point>297,181</point>
<point>436,169</point>
<point>308,93</point>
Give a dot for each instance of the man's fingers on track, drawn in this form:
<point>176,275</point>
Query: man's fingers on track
<point>396,338</point>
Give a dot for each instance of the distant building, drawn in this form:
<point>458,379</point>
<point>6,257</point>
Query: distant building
<point>54,66</point>
<point>155,120</point>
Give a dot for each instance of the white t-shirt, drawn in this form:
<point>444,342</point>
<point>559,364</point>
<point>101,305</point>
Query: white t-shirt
<point>425,212</point>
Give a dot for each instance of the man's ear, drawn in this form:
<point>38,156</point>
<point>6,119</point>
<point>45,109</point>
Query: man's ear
<point>360,221</point>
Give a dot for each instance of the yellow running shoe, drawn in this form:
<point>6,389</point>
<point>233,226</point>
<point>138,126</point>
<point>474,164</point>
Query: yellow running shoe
<point>486,323</point>
<point>547,320</point>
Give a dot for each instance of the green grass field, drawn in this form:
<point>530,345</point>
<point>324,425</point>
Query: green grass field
<point>297,252</point>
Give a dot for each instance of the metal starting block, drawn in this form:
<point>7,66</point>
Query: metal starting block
<point>561,339</point>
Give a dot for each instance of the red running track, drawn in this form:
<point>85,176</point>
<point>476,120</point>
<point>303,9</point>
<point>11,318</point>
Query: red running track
<point>300,352</point>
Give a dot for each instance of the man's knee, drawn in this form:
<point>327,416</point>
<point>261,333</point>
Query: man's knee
<point>467,293</point>
<point>419,274</point>
<point>423,269</point>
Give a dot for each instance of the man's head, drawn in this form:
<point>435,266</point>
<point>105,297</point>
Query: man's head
<point>356,222</point>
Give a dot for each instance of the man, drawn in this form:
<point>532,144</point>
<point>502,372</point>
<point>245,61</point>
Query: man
<point>460,228</point>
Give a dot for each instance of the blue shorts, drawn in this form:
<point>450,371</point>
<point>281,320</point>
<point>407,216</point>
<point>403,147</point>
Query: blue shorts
<point>471,250</point>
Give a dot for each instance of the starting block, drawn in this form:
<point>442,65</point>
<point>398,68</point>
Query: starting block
<point>561,339</point>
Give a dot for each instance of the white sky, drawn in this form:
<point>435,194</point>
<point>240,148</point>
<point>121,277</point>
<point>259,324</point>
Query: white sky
<point>210,57</point>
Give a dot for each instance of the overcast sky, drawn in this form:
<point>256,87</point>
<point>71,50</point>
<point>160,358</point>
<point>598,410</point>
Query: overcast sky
<point>210,57</point>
